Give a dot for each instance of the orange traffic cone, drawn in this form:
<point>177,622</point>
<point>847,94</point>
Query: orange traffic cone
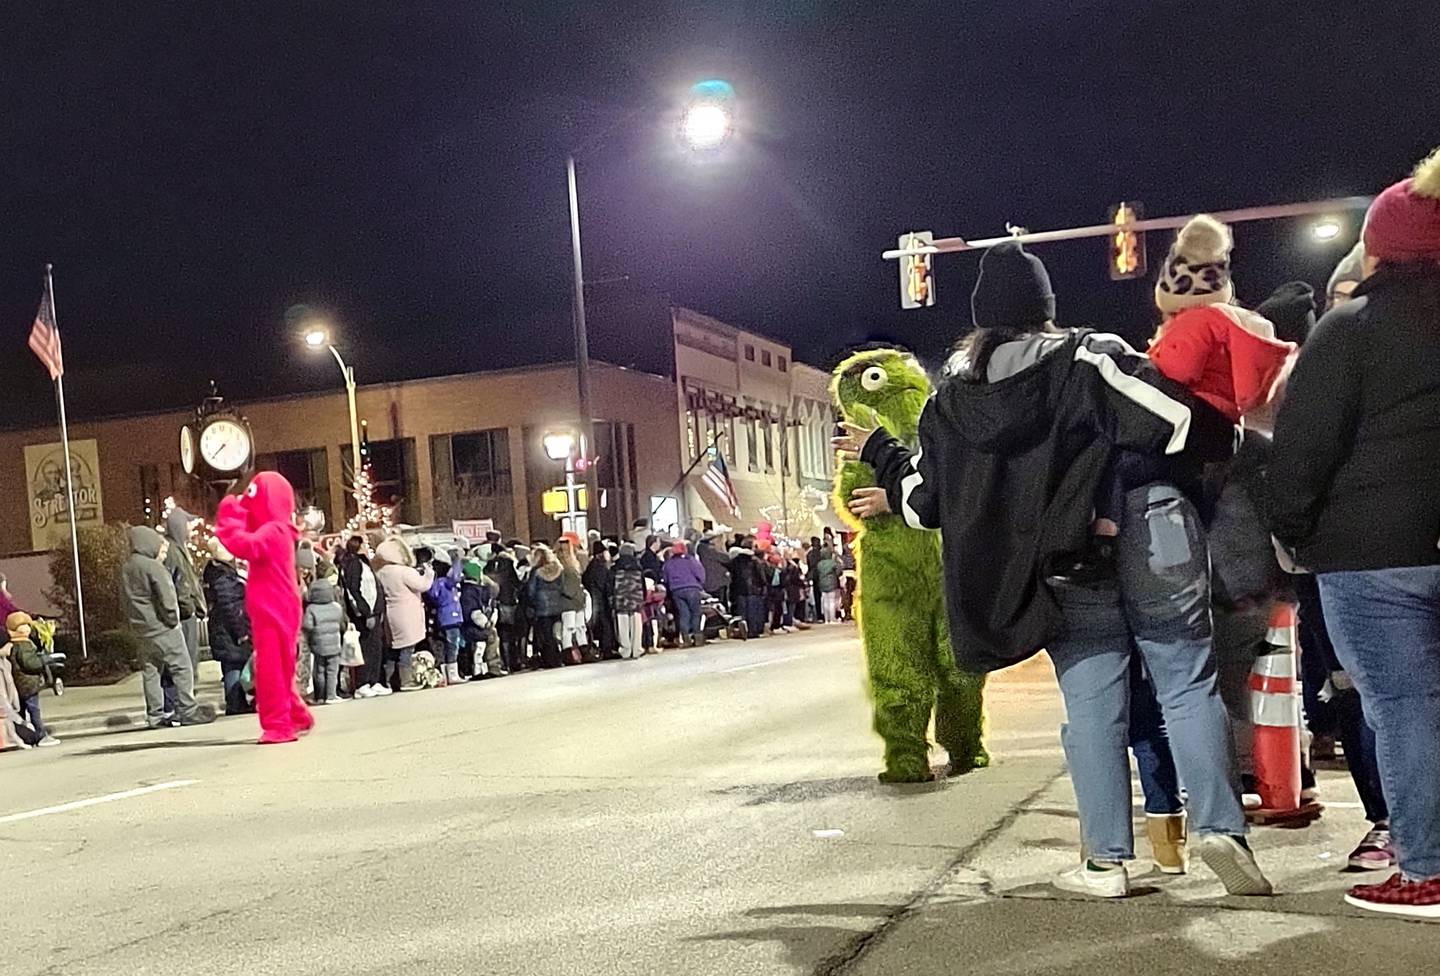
<point>1275,713</point>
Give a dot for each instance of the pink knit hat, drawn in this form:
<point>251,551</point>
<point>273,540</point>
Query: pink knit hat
<point>1404,221</point>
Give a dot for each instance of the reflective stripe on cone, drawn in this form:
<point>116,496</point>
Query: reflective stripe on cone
<point>1275,712</point>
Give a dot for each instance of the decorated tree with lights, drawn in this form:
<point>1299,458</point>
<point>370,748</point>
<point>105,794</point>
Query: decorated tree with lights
<point>369,513</point>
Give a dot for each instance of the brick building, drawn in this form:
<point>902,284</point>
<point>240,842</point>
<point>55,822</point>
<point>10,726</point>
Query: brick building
<point>470,445</point>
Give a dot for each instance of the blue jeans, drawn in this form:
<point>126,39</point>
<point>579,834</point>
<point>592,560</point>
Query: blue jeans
<point>1151,745</point>
<point>752,608</point>
<point>453,641</point>
<point>1162,604</point>
<point>1386,628</point>
<point>688,617</point>
<point>30,708</point>
<point>235,700</point>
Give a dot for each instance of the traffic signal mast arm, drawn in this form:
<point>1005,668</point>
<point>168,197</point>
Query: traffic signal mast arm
<point>947,245</point>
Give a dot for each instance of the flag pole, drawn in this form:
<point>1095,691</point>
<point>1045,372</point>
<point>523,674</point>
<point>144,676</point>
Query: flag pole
<point>693,464</point>
<point>69,476</point>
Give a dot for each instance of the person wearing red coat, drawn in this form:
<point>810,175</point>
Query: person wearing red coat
<point>1225,355</point>
<point>260,529</point>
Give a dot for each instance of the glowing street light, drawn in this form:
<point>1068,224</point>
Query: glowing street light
<point>709,118</point>
<point>706,126</point>
<point>1325,229</point>
<point>317,337</point>
<point>558,446</point>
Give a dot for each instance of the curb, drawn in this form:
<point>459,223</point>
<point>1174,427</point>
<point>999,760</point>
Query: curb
<point>121,720</point>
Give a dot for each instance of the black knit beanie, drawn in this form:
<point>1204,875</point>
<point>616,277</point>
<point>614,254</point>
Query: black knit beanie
<point>1291,309</point>
<point>1013,289</point>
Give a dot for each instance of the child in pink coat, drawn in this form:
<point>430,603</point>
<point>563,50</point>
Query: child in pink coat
<point>260,529</point>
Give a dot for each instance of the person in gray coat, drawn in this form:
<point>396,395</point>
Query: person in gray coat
<point>147,592</point>
<point>189,594</point>
<point>322,632</point>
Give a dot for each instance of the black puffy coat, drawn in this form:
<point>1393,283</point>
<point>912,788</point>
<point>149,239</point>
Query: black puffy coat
<point>717,567</point>
<point>501,569</point>
<point>745,576</point>
<point>228,625</point>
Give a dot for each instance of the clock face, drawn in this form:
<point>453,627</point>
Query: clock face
<point>225,445</point>
<point>187,449</point>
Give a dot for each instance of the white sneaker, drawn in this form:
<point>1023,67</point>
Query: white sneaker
<point>49,740</point>
<point>382,691</point>
<point>365,691</point>
<point>1107,882</point>
<point>1234,864</point>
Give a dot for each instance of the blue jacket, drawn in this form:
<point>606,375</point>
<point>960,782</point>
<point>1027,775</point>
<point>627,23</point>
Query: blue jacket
<point>683,572</point>
<point>444,597</point>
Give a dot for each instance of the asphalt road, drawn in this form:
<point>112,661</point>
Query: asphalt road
<point>701,812</point>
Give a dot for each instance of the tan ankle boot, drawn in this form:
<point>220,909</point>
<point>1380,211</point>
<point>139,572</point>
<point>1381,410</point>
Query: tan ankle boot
<point>1167,841</point>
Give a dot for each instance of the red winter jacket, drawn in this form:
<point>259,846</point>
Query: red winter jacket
<point>1225,355</point>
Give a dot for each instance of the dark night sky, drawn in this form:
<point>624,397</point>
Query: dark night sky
<point>195,169</point>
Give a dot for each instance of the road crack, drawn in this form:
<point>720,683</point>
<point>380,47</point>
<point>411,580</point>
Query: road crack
<point>844,961</point>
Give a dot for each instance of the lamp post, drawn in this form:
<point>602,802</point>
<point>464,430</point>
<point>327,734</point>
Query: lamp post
<point>706,124</point>
<point>316,337</point>
<point>561,446</point>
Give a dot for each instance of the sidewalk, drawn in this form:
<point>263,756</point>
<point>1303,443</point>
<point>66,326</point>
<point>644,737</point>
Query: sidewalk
<point>116,708</point>
<point>999,898</point>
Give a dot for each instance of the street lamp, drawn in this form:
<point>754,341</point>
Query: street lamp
<point>558,447</point>
<point>1325,229</point>
<point>317,336</point>
<point>706,124</point>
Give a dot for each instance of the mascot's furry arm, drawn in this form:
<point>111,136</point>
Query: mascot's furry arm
<point>900,600</point>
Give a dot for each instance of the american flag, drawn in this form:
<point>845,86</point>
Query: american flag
<point>45,337</point>
<point>717,479</point>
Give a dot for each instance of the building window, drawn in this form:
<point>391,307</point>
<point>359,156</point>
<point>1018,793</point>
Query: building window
<point>769,445</point>
<point>784,364</point>
<point>151,501</point>
<point>765,357</point>
<point>392,466</point>
<point>692,434</point>
<point>471,473</point>
<point>749,353</point>
<point>752,442</point>
<point>307,471</point>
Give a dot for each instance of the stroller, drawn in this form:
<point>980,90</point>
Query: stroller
<point>716,622</point>
<point>54,661</point>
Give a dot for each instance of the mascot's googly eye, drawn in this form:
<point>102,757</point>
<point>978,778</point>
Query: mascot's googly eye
<point>252,491</point>
<point>874,379</point>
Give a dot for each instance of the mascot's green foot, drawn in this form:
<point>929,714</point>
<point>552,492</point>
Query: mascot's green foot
<point>907,776</point>
<point>960,763</point>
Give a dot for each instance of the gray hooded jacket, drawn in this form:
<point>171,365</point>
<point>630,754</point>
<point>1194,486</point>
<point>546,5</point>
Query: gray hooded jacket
<point>323,625</point>
<point>146,589</point>
<point>188,592</point>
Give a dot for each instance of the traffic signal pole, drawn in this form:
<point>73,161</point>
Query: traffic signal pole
<point>949,245</point>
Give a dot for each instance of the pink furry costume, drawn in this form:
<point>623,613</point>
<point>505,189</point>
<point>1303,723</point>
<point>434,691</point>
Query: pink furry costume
<point>259,528</point>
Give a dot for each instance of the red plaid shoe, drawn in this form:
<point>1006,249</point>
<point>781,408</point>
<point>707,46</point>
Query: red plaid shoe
<point>1414,899</point>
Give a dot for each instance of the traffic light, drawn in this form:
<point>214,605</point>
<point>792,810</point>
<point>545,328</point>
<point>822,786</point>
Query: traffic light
<point>917,283</point>
<point>1126,247</point>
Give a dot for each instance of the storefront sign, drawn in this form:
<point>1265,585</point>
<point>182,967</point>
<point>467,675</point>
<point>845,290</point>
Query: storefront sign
<point>46,495</point>
<point>472,529</point>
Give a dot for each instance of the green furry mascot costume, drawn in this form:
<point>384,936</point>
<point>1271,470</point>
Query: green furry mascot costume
<point>900,603</point>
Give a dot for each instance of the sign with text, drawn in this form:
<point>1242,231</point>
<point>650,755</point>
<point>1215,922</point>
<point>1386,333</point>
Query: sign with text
<point>47,499</point>
<point>472,529</point>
